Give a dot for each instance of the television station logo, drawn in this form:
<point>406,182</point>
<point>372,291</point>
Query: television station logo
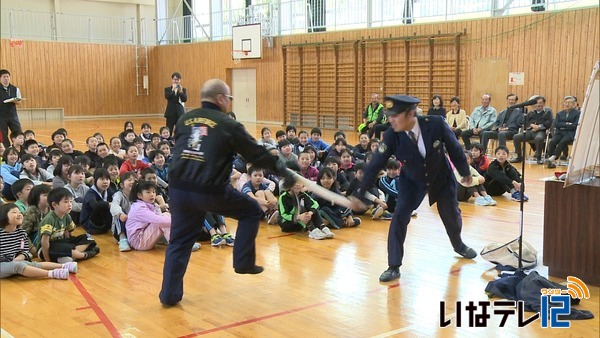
<point>554,303</point>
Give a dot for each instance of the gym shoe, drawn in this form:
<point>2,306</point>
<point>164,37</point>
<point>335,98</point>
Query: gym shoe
<point>316,233</point>
<point>63,260</point>
<point>124,245</point>
<point>389,275</point>
<point>551,165</point>
<point>217,240</point>
<point>355,222</point>
<point>196,247</point>
<point>386,216</point>
<point>414,213</point>
<point>89,253</point>
<point>377,212</point>
<point>480,200</point>
<point>229,240</point>
<point>273,217</point>
<point>71,266</point>
<point>490,200</point>
<point>516,160</point>
<point>467,252</point>
<point>60,273</point>
<point>516,196</point>
<point>327,232</point>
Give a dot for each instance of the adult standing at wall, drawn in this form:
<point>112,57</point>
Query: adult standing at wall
<point>10,96</point>
<point>176,96</point>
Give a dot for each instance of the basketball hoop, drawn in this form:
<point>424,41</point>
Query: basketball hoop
<point>236,55</point>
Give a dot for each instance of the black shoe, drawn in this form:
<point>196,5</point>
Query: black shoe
<point>516,160</point>
<point>467,252</point>
<point>91,252</point>
<point>551,165</point>
<point>389,275</point>
<point>540,161</point>
<point>254,270</point>
<point>563,158</point>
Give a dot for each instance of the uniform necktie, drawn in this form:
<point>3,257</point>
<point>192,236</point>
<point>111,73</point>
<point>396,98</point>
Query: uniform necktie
<point>412,137</point>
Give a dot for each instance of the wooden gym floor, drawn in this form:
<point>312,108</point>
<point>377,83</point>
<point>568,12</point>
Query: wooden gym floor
<point>309,288</point>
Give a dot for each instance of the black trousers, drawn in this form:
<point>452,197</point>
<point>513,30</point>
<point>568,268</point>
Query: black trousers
<point>11,122</point>
<point>466,137</point>
<point>188,209</point>
<point>538,136</point>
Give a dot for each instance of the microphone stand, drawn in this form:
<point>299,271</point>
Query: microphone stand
<point>522,194</point>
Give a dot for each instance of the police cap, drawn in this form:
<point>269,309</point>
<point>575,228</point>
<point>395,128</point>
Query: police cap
<point>399,103</point>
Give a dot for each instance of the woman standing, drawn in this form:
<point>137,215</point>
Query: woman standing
<point>176,96</point>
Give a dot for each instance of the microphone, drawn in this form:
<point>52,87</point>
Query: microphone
<point>532,100</point>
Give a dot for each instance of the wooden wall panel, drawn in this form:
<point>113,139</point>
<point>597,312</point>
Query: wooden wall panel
<point>555,50</point>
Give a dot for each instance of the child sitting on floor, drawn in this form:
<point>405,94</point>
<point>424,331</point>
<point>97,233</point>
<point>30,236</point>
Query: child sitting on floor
<point>502,177</point>
<point>54,240</point>
<point>16,256</point>
<point>37,210</point>
<point>256,189</point>
<point>475,189</point>
<point>336,215</point>
<point>145,223</point>
<point>299,212</point>
<point>95,214</point>
<point>119,208</point>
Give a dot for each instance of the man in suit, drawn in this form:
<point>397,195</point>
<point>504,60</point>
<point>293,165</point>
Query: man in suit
<point>420,144</point>
<point>565,126</point>
<point>176,96</point>
<point>537,123</point>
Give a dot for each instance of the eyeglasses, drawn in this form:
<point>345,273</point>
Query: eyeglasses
<point>227,96</point>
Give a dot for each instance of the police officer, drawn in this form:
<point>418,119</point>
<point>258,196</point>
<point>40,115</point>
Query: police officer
<point>206,140</point>
<point>420,144</point>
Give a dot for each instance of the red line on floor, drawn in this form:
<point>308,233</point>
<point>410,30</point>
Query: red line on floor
<point>277,314</point>
<point>83,308</point>
<point>90,300</point>
<point>92,323</point>
<point>284,235</point>
<point>257,319</point>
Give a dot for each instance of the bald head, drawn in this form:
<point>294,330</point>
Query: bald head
<point>217,92</point>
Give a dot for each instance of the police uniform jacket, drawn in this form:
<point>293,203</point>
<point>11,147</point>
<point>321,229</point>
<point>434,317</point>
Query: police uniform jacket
<point>206,141</point>
<point>432,174</point>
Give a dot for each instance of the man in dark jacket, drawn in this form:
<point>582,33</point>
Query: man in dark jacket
<point>507,123</point>
<point>565,126</point>
<point>10,96</point>
<point>206,140</point>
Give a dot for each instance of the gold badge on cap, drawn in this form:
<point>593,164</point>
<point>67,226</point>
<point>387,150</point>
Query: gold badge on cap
<point>389,104</point>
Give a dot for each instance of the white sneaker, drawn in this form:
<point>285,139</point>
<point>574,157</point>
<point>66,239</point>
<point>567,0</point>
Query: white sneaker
<point>414,213</point>
<point>377,212</point>
<point>490,200</point>
<point>327,232</point>
<point>124,245</point>
<point>480,200</point>
<point>63,260</point>
<point>196,247</point>
<point>273,218</point>
<point>316,233</point>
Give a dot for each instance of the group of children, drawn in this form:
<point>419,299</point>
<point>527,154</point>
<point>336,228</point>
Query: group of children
<point>121,187</point>
<point>122,190</point>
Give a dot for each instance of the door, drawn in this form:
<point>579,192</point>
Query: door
<point>243,90</point>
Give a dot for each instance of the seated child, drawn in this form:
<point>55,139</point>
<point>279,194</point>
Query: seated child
<point>78,189</point>
<point>480,161</point>
<point>111,164</point>
<point>361,148</point>
<point>299,212</point>
<point>21,189</point>
<point>306,170</point>
<point>92,152</point>
<point>53,157</point>
<point>334,163</point>
<point>16,255</point>
<point>145,223</point>
<point>162,198</point>
<point>165,135</point>
<point>11,170</point>
<point>115,148</point>
<point>32,147</point>
<point>119,208</point>
<point>132,163</point>
<point>61,171</point>
<point>85,163</point>
<point>256,189</point>
<point>374,198</point>
<point>337,216</point>
<point>502,177</point>
<point>475,189</point>
<point>36,174</point>
<point>95,214</point>
<point>215,225</point>
<point>54,241</point>
<point>146,134</point>
<point>389,183</point>
<point>302,142</point>
<point>57,137</point>
<point>37,210</point>
<point>67,148</point>
<point>159,165</point>
<point>165,147</point>
<point>346,164</point>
